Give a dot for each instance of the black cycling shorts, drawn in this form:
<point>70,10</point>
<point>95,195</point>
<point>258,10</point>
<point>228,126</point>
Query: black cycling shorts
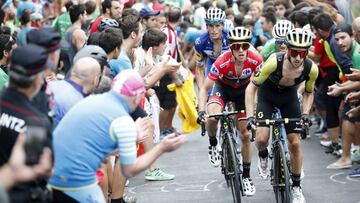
<point>222,94</point>
<point>286,100</point>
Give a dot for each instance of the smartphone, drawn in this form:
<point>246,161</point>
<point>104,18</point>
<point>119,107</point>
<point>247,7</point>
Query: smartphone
<point>35,143</point>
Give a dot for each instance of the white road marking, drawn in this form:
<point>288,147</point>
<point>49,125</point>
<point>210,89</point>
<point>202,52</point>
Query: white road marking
<point>332,177</point>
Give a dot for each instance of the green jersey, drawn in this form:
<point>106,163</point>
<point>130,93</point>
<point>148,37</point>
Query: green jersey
<point>355,55</point>
<point>62,23</point>
<point>268,49</point>
<point>3,78</point>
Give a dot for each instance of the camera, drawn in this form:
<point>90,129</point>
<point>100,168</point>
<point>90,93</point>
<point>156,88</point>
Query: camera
<point>35,143</point>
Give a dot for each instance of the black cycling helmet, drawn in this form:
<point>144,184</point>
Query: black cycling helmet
<point>94,52</point>
<point>106,23</point>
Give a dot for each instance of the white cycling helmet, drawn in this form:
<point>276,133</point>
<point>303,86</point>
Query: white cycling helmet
<point>239,34</point>
<point>299,38</point>
<point>106,23</point>
<point>281,28</point>
<point>215,16</point>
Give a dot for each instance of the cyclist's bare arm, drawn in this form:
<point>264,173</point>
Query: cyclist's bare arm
<point>250,94</point>
<point>200,72</point>
<point>308,101</point>
<point>204,92</point>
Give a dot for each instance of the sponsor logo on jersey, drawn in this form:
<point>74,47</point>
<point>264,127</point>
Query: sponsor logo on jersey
<point>214,70</point>
<point>252,61</point>
<point>197,41</point>
<point>12,122</point>
<point>257,73</point>
<point>260,114</point>
<point>198,56</point>
<point>246,72</point>
<point>230,73</point>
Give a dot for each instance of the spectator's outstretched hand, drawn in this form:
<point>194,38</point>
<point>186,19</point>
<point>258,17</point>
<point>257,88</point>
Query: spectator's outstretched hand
<point>170,65</point>
<point>172,142</point>
<point>334,90</point>
<point>352,97</point>
<point>354,112</point>
<point>21,171</point>
<point>354,76</point>
<point>149,57</point>
<point>145,128</point>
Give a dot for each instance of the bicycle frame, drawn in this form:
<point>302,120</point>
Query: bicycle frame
<point>230,164</point>
<point>280,167</point>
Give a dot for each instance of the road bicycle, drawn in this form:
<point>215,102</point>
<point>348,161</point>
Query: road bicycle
<point>231,165</point>
<point>280,170</point>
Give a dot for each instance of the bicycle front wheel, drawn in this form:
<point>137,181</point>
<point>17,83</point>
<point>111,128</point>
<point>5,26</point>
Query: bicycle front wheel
<point>281,176</point>
<point>233,170</point>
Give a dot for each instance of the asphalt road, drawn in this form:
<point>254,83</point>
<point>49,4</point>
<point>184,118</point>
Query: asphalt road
<point>197,181</point>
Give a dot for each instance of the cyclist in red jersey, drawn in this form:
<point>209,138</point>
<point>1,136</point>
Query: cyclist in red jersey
<point>230,74</point>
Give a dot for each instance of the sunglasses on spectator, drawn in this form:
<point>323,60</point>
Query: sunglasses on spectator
<point>236,46</point>
<point>279,41</point>
<point>295,53</point>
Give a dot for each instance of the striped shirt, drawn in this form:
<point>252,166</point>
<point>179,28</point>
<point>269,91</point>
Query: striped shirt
<point>94,128</point>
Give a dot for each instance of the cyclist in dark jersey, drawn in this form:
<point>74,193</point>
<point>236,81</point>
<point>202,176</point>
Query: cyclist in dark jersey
<point>230,74</point>
<point>276,85</point>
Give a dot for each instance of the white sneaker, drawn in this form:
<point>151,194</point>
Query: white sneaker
<point>214,156</point>
<point>263,168</point>
<point>298,196</point>
<point>249,187</point>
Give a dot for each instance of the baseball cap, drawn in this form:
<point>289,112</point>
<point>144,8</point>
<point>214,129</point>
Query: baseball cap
<point>343,27</point>
<point>148,12</point>
<point>29,60</point>
<point>94,52</point>
<point>46,37</point>
<point>128,83</point>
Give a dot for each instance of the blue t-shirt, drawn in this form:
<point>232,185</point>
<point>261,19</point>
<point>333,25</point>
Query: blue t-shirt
<point>94,128</point>
<point>192,34</point>
<point>123,62</point>
<point>25,5</point>
<point>21,36</point>
<point>66,94</point>
<point>257,32</point>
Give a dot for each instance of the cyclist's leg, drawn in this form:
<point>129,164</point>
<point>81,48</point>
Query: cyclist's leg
<point>291,109</point>
<point>216,104</point>
<point>244,133</point>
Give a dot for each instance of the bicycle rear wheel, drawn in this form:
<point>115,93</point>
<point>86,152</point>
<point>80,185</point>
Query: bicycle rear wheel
<point>281,182</point>
<point>232,168</point>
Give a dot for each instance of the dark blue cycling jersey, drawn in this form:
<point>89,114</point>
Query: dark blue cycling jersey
<point>204,48</point>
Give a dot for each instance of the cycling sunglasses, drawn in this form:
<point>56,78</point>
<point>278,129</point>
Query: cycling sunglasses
<point>236,46</point>
<point>294,53</point>
<point>279,41</point>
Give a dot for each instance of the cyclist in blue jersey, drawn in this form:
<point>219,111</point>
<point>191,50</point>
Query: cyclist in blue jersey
<point>96,127</point>
<point>211,44</point>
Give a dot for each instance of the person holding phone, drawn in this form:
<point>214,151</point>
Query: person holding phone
<point>26,76</point>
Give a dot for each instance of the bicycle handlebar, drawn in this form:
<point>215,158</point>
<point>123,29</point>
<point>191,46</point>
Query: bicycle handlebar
<point>222,115</point>
<point>216,116</point>
<point>203,129</point>
<point>278,121</point>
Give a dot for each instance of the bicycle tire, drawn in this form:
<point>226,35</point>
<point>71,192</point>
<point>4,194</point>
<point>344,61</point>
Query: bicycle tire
<point>235,178</point>
<point>281,182</point>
